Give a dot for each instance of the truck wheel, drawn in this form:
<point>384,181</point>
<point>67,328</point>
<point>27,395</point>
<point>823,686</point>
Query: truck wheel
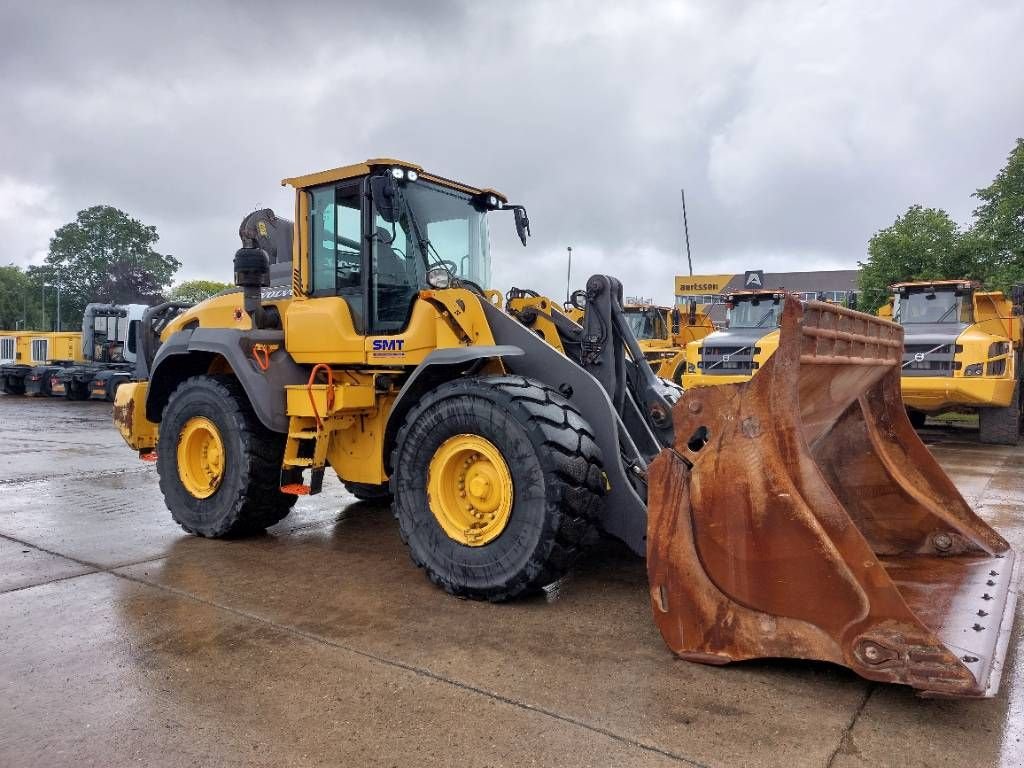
<point>75,391</point>
<point>219,466</point>
<point>917,418</point>
<point>369,492</point>
<point>677,376</point>
<point>496,483</point>
<point>1001,426</point>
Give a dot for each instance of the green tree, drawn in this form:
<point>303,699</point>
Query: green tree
<point>19,300</point>
<point>195,291</point>
<point>105,255</point>
<point>998,233</point>
<point>922,244</point>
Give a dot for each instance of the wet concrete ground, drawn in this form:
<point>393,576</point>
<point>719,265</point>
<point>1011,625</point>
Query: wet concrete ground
<point>124,641</point>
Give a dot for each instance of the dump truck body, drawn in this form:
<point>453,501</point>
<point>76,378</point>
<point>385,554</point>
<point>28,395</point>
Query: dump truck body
<point>962,353</point>
<point>504,449</point>
<point>29,358</point>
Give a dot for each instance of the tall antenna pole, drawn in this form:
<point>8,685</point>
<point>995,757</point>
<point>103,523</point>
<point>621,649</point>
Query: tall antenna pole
<point>686,232</point>
<point>568,275</point>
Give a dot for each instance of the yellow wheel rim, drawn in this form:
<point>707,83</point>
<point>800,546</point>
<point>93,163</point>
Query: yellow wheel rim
<point>200,457</point>
<point>469,489</point>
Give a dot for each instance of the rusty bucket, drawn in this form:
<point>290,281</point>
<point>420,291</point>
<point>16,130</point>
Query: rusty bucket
<point>799,515</point>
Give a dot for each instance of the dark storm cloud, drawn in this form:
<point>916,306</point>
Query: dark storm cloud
<point>797,130</point>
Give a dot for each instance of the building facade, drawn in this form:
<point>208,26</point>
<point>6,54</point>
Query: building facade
<point>709,290</point>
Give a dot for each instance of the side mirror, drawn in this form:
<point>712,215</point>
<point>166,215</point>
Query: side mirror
<point>387,197</point>
<point>522,222</point>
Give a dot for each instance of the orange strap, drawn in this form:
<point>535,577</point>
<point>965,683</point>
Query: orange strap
<point>330,391</point>
<point>261,354</point>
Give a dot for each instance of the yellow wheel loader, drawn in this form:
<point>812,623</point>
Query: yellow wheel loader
<point>795,515</point>
<point>664,333</point>
<point>962,353</point>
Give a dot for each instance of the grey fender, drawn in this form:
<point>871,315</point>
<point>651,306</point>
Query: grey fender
<point>190,352</point>
<point>439,366</point>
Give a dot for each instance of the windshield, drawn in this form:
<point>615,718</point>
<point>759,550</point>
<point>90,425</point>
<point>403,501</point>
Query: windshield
<point>755,313</point>
<point>455,230</point>
<point>646,323</point>
<point>931,307</point>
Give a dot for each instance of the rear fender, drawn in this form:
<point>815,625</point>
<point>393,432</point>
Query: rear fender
<point>194,352</point>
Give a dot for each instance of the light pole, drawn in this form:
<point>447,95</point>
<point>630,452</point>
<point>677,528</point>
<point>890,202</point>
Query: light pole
<point>568,275</point>
<point>686,232</point>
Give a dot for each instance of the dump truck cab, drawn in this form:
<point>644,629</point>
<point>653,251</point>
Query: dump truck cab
<point>737,352</point>
<point>664,333</point>
<point>962,353</point>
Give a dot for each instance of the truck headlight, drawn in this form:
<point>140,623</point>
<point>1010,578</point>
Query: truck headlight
<point>973,370</point>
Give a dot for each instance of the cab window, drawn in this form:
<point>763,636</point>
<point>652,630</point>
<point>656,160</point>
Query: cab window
<point>336,245</point>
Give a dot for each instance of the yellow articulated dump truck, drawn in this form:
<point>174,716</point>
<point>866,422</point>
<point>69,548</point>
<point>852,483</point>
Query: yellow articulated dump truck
<point>736,353</point>
<point>664,333</point>
<point>389,362</point>
<point>962,353</point>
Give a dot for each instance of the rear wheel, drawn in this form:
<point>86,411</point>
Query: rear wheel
<point>75,390</point>
<point>369,492</point>
<point>219,466</point>
<point>1001,426</point>
<point>497,483</point>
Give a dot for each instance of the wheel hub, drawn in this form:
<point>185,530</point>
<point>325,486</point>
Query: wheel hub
<point>200,457</point>
<point>469,489</point>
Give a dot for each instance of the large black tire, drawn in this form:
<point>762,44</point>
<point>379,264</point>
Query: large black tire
<point>74,390</point>
<point>248,498</point>
<point>1001,426</point>
<point>369,492</point>
<point>557,481</point>
<point>917,418</point>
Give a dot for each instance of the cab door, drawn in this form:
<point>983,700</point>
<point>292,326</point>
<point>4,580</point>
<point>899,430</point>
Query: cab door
<point>329,324</point>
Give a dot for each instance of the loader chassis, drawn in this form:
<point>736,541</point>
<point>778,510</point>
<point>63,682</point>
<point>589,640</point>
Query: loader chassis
<point>505,443</point>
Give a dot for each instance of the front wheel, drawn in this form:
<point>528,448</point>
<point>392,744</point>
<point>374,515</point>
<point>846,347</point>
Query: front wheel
<point>1001,426</point>
<point>219,466</point>
<point>496,483</point>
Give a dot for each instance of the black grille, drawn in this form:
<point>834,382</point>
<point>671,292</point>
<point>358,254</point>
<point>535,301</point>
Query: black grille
<point>930,359</point>
<point>729,360</point>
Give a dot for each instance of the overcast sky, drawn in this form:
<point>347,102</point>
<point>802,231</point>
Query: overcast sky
<point>798,129</point>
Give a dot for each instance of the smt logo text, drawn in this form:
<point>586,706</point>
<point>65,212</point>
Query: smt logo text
<point>388,345</point>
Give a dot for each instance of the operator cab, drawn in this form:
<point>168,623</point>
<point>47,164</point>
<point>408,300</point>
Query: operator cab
<point>380,232</point>
<point>646,321</point>
<point>754,309</point>
<point>940,302</point>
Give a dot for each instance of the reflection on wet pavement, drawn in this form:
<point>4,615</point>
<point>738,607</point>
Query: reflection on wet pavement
<point>126,641</point>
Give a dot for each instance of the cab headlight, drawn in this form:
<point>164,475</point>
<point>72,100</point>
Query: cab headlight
<point>411,175</point>
<point>439,278</point>
<point>691,368</point>
<point>973,370</point>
